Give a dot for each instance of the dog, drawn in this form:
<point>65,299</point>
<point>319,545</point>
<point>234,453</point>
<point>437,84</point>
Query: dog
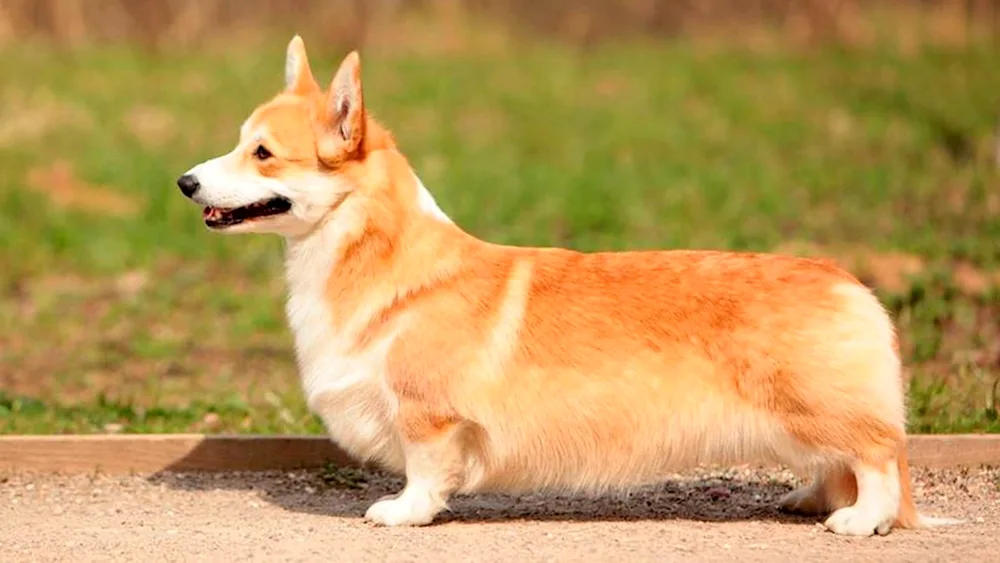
<point>469,366</point>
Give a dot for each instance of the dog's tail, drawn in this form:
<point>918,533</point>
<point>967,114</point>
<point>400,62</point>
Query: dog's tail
<point>908,516</point>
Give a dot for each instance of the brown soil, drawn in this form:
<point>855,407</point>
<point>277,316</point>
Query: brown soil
<point>704,516</point>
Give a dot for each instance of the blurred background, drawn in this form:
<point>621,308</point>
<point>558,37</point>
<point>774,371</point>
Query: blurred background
<point>861,130</point>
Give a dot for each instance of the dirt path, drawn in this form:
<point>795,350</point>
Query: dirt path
<point>704,516</point>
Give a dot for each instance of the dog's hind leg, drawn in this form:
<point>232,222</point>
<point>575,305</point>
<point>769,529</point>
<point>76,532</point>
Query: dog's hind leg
<point>831,489</point>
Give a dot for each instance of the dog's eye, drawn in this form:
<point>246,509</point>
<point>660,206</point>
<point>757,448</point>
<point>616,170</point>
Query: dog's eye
<point>262,153</point>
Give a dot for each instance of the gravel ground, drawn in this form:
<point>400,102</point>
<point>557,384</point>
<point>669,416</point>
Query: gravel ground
<point>705,515</point>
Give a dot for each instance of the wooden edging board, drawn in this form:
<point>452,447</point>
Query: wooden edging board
<point>151,453</point>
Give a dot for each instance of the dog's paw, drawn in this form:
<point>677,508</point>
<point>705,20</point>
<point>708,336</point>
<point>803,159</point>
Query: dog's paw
<point>805,500</point>
<point>399,512</point>
<point>857,521</point>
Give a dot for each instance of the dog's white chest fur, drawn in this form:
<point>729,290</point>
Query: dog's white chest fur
<point>346,390</point>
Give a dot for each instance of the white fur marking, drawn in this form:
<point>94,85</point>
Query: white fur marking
<point>291,69</point>
<point>292,65</point>
<point>505,335</point>
<point>415,506</point>
<point>877,504</point>
<point>345,390</point>
<point>227,182</point>
<point>430,479</point>
<point>426,202</point>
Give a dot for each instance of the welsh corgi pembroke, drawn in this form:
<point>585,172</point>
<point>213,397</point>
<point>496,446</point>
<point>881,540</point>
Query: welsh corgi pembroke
<point>470,366</point>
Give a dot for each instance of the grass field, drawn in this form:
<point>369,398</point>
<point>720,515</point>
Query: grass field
<point>120,312</point>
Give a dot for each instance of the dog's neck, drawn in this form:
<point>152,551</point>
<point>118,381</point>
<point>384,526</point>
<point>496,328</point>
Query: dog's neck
<point>373,248</point>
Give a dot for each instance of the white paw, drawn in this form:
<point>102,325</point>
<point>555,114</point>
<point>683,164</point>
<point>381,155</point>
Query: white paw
<point>399,512</point>
<point>858,521</point>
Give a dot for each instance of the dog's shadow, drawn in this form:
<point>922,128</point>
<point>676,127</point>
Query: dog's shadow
<point>706,496</point>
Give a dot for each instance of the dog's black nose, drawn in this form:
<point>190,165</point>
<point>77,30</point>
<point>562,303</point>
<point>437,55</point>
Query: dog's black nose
<point>188,184</point>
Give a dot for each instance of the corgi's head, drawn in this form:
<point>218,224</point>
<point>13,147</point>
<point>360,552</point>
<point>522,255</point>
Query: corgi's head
<point>293,163</point>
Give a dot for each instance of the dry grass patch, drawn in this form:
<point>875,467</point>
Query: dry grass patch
<point>60,184</point>
<point>26,118</point>
<point>150,125</point>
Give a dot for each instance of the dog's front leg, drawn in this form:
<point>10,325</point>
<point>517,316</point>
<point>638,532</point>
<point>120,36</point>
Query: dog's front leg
<point>435,469</point>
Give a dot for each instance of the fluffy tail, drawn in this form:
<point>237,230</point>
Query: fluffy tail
<point>908,517</point>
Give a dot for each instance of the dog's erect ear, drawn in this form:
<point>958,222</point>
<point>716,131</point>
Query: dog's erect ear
<point>298,76</point>
<point>345,105</point>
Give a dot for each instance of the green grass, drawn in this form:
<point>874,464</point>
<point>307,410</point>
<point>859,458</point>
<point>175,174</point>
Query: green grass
<point>145,322</point>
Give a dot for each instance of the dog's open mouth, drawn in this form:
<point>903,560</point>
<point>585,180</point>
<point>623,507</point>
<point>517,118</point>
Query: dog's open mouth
<point>217,217</point>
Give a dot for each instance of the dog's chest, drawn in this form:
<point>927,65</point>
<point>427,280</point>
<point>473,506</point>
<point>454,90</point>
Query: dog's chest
<point>345,390</point>
<point>345,387</point>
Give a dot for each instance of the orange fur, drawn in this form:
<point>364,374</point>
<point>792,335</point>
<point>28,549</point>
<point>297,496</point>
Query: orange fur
<point>907,517</point>
<point>474,366</point>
